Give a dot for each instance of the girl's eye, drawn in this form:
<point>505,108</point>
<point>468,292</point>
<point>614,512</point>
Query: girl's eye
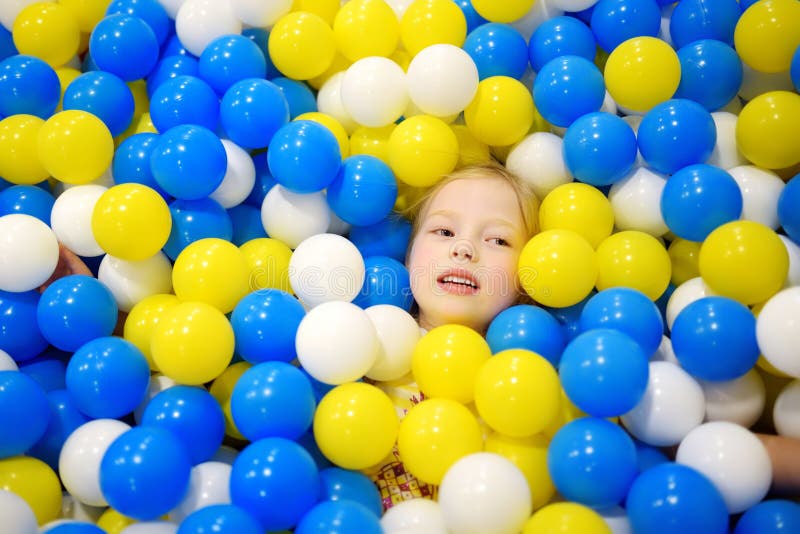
<point>444,232</point>
<point>500,242</point>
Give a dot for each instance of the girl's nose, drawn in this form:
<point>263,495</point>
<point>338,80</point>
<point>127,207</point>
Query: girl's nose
<point>463,250</point>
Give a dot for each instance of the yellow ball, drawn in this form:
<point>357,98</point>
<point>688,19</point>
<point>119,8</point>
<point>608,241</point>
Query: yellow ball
<point>634,259</point>
<point>47,30</point>
<point>20,163</point>
<point>114,522</point>
<point>557,268</point>
<point>35,482</point>
<point>501,113</point>
<point>642,72</point>
<point>267,262</point>
<point>767,35</point>
<point>505,11</point>
<point>145,124</point>
<point>326,9</point>
<point>422,149</point>
<point>213,271</point>
<point>372,141</point>
<point>744,260</point>
<point>530,456</point>
<point>434,435</point>
<point>427,22</point>
<point>222,389</point>
<point>142,320</point>
<point>87,12</point>
<point>567,412</point>
<point>446,362</point>
<point>517,393</point>
<point>192,343</point>
<point>768,130</point>
<point>141,103</point>
<point>131,221</point>
<point>580,208</point>
<point>301,45</point>
<point>471,150</point>
<point>365,28</point>
<point>683,255</point>
<point>331,124</point>
<point>339,64</point>
<point>63,145</point>
<point>566,518</point>
<point>355,425</point>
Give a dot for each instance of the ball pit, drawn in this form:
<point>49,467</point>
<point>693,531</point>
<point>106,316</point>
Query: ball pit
<point>206,321</point>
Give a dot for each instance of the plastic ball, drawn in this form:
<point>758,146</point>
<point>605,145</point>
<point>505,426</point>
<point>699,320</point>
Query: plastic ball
<point>767,36</point>
<point>628,311</point>
<point>304,156</point>
<point>538,159</point>
<point>566,518</point>
<point>615,21</point>
<point>188,161</point>
<point>48,31</point>
<point>635,201</point>
<point>568,87</point>
<point>292,217</point>
<point>213,271</point>
<point>28,252</point>
<point>18,135</point>
<point>25,412</point>
<point>151,11</point>
<point>599,148</point>
<point>773,515</point>
<point>17,513</point>
<point>696,20</point>
<point>302,45</point>
<point>230,59</point>
<point>222,518</point>
<point>104,95</point>
<point>428,22</point>
<point>726,154</point>
<point>386,282</point>
<point>775,333</point>
<point>787,215</point>
<point>170,67</point>
<point>158,383</point>
<point>794,70</point>
<point>761,192</point>
<point>345,515</point>
<point>744,260</point>
<point>35,483</point>
<point>28,86</point>
<point>364,190</point>
<point>366,28</point>
<point>184,100</point>
<point>132,281</point>
<point>326,268</point>
<point>507,12</point>
<point>252,111</point>
<point>442,80</point>
<point>199,22</point>
<point>733,458</point>
<point>686,293</point>
<point>527,327</point>
<point>767,128</point>
<point>20,335</point>
<point>711,73</point>
<point>739,401</point>
<point>560,36</point>
<point>422,149</point>
<point>398,334</point>
<point>132,161</point>
<point>642,72</point>
<point>265,323</point>
<point>239,178</point>
<point>125,46</point>
<point>415,513</point>
<point>633,259</point>
<point>62,142</point>
<point>497,50</point>
<point>193,220</point>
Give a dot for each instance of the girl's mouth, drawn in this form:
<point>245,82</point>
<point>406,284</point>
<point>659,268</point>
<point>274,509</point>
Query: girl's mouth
<point>458,282</point>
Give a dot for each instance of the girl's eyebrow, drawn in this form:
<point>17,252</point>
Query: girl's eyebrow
<point>452,214</point>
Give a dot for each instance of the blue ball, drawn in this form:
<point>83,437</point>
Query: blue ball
<point>788,214</point>
<point>527,327</point>
<point>628,311</point>
<point>364,190</point>
<point>775,516</point>
<point>260,36</point>
<point>307,440</point>
<point>49,372</point>
<point>145,472</point>
<point>560,36</point>
<point>339,516</point>
<point>75,527</point>
<point>676,133</point>
<point>108,377</point>
<point>265,323</point>
<point>592,462</point>
<point>220,519</point>
<point>568,87</point>
<point>20,335</point>
<point>648,456</point>
<point>714,338</point>
<point>193,220</point>
<point>615,21</point>
<point>497,50</point>
<point>247,225</point>
<point>65,417</point>
<point>794,69</point>
<point>569,317</point>
<point>474,20</point>
<point>124,45</point>
<point>193,415</point>
<point>28,200</point>
<point>150,11</point>
<point>7,48</point>
<point>304,156</point>
<point>599,148</point>
<point>711,73</point>
<point>276,480</point>
<point>744,4</point>
<point>672,498</point>
<point>24,413</point>
<point>604,372</point>
<point>298,95</point>
<point>189,162</point>
<point>132,162</point>
<point>386,282</point>
<point>692,20</point>
<point>252,111</point>
<point>74,310</point>
<point>173,47</point>
<point>389,237</point>
<point>28,85</point>
<point>170,67</point>
<point>105,96</point>
<point>345,485</point>
<point>184,100</point>
<point>264,181</point>
<point>273,400</point>
<point>229,59</point>
<point>699,198</point>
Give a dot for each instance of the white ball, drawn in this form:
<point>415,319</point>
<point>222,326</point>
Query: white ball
<point>79,462</point>
<point>198,22</point>
<point>739,401</point>
<point>672,405</point>
<point>686,293</point>
<point>636,202</point>
<point>399,6</point>
<point>74,509</point>
<point>225,454</point>
<point>9,9</point>
<point>617,519</point>
<point>208,484</point>
<point>793,278</point>
<point>778,331</point>
<point>336,343</point>
<point>132,281</point>
<point>329,101</point>
<point>71,219</point>
<point>398,333</point>
<point>755,82</point>
<point>28,252</point>
<point>260,13</point>
<point>541,11</point>
<point>16,514</point>
<point>664,352</point>
<point>609,104</point>
<point>293,217</point>
<point>538,160</point>
<point>442,79</point>
<point>151,527</point>
<point>572,5</point>
<point>733,458</point>
<point>760,192</point>
<point>171,7</point>
<point>374,91</point>
<point>726,154</point>
<point>240,176</point>
<point>484,492</point>
<point>786,411</point>
<point>7,363</point>
<point>663,31</point>
<point>337,225</point>
<point>416,516</point>
<point>326,267</point>
<point>158,383</point>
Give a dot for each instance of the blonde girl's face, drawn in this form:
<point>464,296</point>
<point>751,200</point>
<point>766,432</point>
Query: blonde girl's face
<point>463,261</point>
